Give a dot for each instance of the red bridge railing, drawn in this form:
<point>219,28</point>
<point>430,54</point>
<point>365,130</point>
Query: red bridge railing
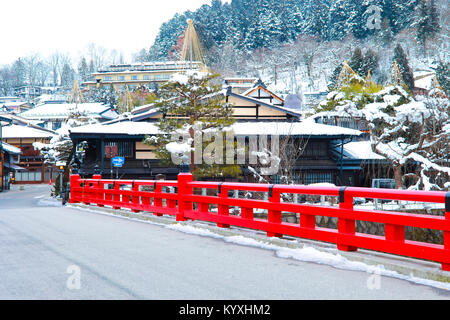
<point>148,195</point>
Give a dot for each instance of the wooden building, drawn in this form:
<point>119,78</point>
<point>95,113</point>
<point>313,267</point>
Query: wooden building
<point>257,112</point>
<point>8,164</point>
<point>21,134</point>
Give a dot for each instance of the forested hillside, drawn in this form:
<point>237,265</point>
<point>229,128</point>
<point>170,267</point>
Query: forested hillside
<point>253,24</point>
<point>299,45</point>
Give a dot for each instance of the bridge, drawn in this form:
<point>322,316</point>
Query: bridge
<point>181,205</point>
<point>185,239</point>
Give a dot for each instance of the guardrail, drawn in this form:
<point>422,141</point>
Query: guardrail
<point>185,204</point>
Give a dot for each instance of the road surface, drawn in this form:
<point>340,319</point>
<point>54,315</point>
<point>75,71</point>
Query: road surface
<point>50,252</point>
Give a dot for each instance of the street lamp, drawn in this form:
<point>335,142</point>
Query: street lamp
<point>61,171</point>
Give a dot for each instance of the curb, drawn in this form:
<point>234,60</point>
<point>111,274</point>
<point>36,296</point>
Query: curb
<point>403,265</point>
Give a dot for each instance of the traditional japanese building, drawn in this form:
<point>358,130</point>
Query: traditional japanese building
<point>30,166</point>
<point>8,164</point>
<point>257,111</point>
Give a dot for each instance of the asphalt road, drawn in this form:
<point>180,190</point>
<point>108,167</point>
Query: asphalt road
<point>49,252</point>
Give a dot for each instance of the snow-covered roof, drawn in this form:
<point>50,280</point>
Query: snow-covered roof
<point>124,127</point>
<point>63,110</point>
<point>18,131</point>
<point>425,81</point>
<point>10,149</point>
<point>14,103</point>
<point>305,128</point>
<point>361,150</point>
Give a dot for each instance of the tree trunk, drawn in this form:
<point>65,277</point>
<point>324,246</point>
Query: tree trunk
<point>398,176</point>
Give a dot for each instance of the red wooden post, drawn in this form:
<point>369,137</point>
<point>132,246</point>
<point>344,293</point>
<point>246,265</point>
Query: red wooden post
<point>116,196</point>
<point>134,197</point>
<point>146,202</point>
<point>394,232</point>
<point>223,210</point>
<point>99,187</point>
<point>87,192</point>
<point>125,199</point>
<point>171,203</point>
<point>307,220</point>
<point>247,213</point>
<point>157,200</point>
<point>345,225</point>
<point>183,190</point>
<point>74,183</point>
<point>446,266</point>
<point>274,215</point>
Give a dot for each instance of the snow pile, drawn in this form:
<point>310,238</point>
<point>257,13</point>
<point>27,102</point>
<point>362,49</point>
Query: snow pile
<point>308,254</point>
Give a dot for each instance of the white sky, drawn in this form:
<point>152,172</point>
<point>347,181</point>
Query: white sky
<point>44,26</point>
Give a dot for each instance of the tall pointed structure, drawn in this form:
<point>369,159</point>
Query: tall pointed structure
<point>77,95</point>
<point>395,77</point>
<point>192,50</point>
<point>345,76</point>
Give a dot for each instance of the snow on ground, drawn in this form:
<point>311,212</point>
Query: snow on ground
<point>309,254</point>
<point>305,254</point>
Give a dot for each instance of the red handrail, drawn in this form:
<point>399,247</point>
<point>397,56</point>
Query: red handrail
<point>181,205</point>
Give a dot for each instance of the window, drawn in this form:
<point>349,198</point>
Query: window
<point>147,77</point>
<point>56,125</point>
<point>134,77</point>
<point>318,177</point>
<point>108,78</point>
<point>124,148</point>
<point>121,78</point>
<point>316,149</point>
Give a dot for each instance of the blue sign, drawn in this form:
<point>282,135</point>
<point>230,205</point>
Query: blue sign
<point>118,161</point>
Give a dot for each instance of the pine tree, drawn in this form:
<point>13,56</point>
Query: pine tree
<point>403,65</point>
<point>337,20</point>
<point>357,62</point>
<point>423,23</point>
<point>443,76</point>
<point>191,106</point>
<point>370,63</point>
<point>435,26</point>
<point>318,20</point>
<point>334,77</point>
<point>386,35</point>
<point>83,70</point>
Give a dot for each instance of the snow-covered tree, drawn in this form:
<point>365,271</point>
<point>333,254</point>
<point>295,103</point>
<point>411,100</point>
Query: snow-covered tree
<point>412,134</point>
<point>404,67</point>
<point>60,151</point>
<point>193,109</point>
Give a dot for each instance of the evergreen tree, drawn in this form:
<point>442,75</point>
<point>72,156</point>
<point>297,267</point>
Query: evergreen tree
<point>192,107</point>
<point>334,77</point>
<point>371,62</point>
<point>403,65</point>
<point>319,17</point>
<point>435,26</point>
<point>83,70</point>
<point>357,62</point>
<point>443,76</point>
<point>423,23</point>
<point>337,20</point>
<point>386,35</point>
<point>67,76</point>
